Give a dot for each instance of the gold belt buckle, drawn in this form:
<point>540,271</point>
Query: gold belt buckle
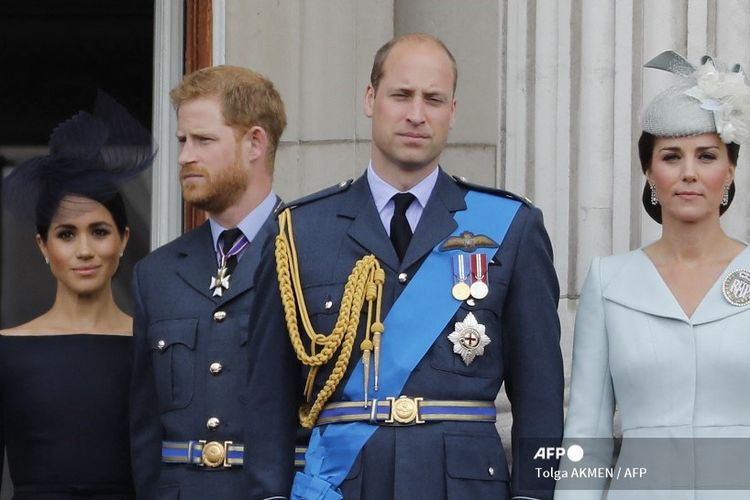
<point>215,453</point>
<point>404,411</point>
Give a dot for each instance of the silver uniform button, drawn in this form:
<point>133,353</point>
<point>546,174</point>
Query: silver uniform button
<point>219,316</point>
<point>213,423</point>
<point>403,277</point>
<point>161,345</point>
<point>215,368</point>
<point>491,470</point>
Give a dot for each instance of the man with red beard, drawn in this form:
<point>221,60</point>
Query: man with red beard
<point>204,370</point>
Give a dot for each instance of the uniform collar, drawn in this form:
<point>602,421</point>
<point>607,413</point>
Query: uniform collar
<point>382,192</point>
<point>252,222</point>
<point>367,229</point>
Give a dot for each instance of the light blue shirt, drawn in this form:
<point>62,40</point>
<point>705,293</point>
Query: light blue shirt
<point>382,192</point>
<point>250,225</point>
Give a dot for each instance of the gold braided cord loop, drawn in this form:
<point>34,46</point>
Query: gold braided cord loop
<point>365,283</point>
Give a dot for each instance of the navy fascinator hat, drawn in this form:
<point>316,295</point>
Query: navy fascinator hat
<point>90,155</point>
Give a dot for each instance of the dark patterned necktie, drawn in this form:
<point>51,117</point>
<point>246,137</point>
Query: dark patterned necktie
<point>400,229</point>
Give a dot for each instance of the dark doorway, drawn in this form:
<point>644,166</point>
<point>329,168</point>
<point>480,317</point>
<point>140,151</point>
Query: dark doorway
<point>54,56</point>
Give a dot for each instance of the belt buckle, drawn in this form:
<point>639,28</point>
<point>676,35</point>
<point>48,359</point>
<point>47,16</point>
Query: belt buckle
<point>215,454</point>
<point>404,411</point>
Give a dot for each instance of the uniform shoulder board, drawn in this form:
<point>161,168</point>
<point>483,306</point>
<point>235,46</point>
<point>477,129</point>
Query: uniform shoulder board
<point>486,189</point>
<point>279,207</point>
<point>325,193</point>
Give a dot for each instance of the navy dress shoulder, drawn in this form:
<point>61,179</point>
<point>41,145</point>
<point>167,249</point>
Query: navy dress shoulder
<point>64,416</point>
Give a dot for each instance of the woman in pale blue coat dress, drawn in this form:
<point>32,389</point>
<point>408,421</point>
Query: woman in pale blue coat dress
<point>663,332</point>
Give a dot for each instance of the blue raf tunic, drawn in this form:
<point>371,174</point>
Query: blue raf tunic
<point>441,460</point>
<point>205,369</point>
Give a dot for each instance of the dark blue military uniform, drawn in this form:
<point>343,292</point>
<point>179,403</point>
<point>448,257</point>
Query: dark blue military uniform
<point>441,459</point>
<point>204,370</point>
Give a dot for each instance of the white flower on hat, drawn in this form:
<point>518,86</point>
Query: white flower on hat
<point>727,96</point>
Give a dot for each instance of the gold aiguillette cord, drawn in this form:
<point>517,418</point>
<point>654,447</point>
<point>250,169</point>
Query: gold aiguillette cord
<point>364,283</point>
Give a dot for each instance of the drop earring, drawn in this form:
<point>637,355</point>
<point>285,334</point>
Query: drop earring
<point>725,196</point>
<point>654,199</point>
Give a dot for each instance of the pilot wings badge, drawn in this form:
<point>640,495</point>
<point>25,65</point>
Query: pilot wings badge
<point>469,339</point>
<point>468,242</point>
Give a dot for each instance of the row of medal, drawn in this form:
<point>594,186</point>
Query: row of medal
<point>469,276</point>
<point>469,283</point>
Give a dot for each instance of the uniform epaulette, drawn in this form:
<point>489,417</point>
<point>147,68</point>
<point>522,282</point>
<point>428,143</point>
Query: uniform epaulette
<point>280,205</point>
<point>486,189</point>
<point>325,193</point>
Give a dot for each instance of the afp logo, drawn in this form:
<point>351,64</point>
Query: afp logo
<point>573,452</point>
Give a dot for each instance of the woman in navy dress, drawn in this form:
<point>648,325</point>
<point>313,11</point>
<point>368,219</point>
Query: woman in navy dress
<point>64,376</point>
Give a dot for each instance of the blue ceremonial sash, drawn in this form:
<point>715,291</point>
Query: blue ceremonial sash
<point>330,455</point>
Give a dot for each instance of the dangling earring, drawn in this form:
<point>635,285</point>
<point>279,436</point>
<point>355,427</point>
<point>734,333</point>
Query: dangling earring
<point>725,196</point>
<point>46,260</point>
<point>654,199</point>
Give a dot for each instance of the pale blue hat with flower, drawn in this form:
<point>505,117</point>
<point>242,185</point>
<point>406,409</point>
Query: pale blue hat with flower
<point>709,98</point>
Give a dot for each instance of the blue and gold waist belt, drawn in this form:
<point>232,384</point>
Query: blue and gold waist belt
<point>407,411</point>
<point>202,453</point>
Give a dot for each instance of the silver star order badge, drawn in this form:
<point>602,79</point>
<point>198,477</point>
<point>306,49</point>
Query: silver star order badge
<point>220,282</point>
<point>469,339</point>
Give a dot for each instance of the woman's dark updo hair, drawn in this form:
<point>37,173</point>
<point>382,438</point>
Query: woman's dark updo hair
<point>114,204</point>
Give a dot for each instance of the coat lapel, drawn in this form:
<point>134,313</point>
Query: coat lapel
<point>366,228</point>
<point>437,221</point>
<point>197,260</point>
<point>639,286</point>
<point>243,277</point>
<point>435,224</point>
<point>714,306</point>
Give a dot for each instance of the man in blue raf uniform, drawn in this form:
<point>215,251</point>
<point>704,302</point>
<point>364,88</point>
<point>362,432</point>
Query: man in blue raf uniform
<point>412,297</point>
<point>204,368</point>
